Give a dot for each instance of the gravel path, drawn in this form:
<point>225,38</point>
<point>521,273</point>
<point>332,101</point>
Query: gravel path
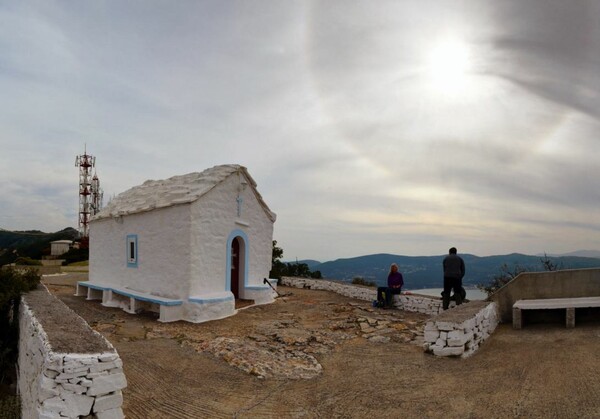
<point>181,370</point>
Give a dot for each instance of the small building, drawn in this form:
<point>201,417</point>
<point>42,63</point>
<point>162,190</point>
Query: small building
<point>186,247</point>
<point>59,247</point>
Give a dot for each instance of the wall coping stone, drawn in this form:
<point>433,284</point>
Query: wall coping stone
<point>66,369</point>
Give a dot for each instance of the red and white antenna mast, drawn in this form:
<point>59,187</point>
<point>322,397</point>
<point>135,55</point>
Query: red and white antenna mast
<point>90,194</point>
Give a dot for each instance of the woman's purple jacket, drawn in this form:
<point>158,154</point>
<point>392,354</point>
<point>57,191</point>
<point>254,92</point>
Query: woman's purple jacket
<point>395,279</point>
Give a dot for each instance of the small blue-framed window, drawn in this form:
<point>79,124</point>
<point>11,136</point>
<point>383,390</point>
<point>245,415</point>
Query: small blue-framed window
<point>132,251</point>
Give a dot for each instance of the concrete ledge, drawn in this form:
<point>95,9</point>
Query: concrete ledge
<point>569,304</point>
<point>550,303</point>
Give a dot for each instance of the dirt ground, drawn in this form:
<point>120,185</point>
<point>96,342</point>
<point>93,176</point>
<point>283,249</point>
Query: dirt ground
<point>356,362</point>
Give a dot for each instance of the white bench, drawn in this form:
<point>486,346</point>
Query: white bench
<point>569,304</point>
<point>169,309</point>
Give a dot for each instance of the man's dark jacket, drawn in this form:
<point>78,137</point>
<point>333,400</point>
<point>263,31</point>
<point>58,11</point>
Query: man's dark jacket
<point>454,267</point>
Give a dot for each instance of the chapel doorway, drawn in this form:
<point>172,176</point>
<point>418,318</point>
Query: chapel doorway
<point>235,267</point>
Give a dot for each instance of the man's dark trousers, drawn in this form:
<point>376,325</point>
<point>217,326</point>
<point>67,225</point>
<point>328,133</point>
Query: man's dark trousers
<point>454,284</point>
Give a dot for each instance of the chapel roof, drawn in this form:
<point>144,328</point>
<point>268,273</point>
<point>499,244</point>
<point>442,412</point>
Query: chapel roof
<point>176,190</point>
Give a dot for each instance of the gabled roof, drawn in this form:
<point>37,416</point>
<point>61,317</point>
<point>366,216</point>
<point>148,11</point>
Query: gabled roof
<point>176,190</point>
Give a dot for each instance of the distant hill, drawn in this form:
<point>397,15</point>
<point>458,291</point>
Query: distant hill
<point>582,253</point>
<point>426,271</point>
<point>310,262</point>
<point>30,243</point>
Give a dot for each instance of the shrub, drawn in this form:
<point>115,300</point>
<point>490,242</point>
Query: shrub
<point>13,283</point>
<point>75,255</point>
<point>10,407</point>
<point>357,280</point>
<point>26,261</point>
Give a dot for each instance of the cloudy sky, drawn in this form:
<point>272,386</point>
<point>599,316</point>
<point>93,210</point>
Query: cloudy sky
<point>391,126</point>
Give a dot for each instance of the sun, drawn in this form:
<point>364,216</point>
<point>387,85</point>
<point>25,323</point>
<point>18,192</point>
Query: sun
<point>448,65</point>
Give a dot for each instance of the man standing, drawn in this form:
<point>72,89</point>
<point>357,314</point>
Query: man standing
<point>454,271</point>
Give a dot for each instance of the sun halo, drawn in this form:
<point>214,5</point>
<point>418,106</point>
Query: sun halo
<point>448,66</point>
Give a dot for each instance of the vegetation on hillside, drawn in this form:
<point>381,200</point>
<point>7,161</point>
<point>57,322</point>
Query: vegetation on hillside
<point>279,268</point>
<point>32,244</point>
<point>13,283</point>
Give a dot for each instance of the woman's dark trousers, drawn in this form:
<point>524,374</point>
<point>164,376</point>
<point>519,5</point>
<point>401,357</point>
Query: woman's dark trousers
<point>384,294</point>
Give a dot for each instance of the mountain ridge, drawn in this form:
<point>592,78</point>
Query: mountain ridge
<point>426,271</point>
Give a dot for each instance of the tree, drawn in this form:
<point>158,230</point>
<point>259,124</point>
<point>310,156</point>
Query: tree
<point>505,275</point>
<point>549,264</point>
<point>279,268</point>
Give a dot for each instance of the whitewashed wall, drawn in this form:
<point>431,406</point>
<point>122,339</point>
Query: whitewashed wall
<point>66,385</point>
<point>163,251</point>
<point>214,218</point>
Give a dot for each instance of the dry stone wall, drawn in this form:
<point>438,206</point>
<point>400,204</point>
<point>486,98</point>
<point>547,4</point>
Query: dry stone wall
<point>66,370</point>
<point>461,331</point>
<point>406,301</point>
<point>456,332</point>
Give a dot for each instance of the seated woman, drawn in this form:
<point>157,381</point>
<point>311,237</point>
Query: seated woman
<point>394,286</point>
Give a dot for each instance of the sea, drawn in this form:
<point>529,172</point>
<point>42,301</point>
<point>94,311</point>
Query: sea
<point>472,293</point>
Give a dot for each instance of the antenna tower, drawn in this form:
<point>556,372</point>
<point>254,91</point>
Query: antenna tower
<point>90,193</point>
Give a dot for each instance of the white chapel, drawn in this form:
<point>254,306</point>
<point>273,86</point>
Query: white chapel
<point>185,247</point>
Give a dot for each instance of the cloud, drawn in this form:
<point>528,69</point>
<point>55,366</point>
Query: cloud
<point>332,107</point>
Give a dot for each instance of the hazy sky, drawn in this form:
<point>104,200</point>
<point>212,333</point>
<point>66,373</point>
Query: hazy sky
<point>370,126</point>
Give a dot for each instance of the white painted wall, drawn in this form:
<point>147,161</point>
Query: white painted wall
<point>214,218</point>
<point>163,251</point>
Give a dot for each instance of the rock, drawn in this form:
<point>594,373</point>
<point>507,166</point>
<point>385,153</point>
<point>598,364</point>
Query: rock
<point>107,384</point>
<point>379,339</point>
<point>109,401</point>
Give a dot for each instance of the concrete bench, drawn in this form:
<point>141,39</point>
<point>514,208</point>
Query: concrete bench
<point>569,304</point>
<point>131,301</point>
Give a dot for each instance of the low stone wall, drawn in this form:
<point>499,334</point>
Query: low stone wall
<point>456,332</point>
<point>40,270</point>
<point>460,332</point>
<point>66,370</point>
<point>406,301</point>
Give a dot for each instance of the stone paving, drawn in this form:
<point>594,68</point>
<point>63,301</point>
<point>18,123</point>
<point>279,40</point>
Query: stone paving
<point>286,348</point>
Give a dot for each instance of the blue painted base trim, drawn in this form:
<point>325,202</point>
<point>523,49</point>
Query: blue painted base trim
<point>258,288</point>
<point>210,300</point>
